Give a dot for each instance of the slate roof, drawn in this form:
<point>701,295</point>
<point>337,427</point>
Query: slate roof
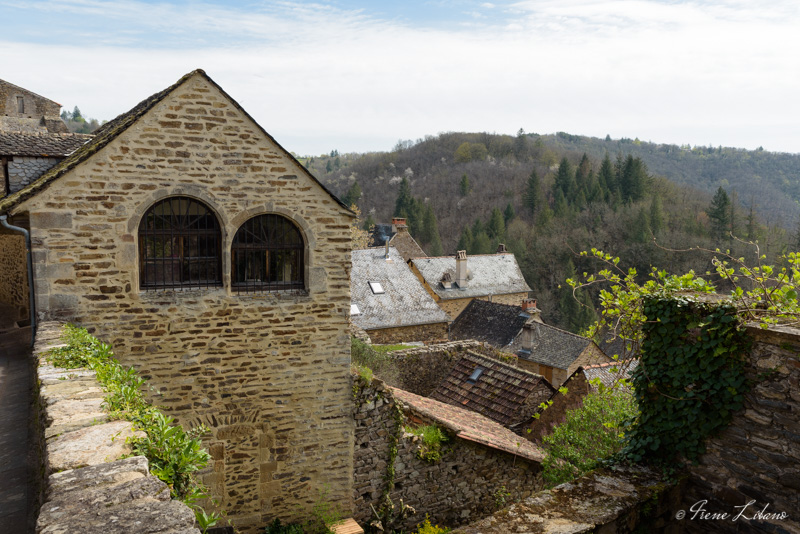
<point>489,274</point>
<point>470,426</point>
<point>609,373</point>
<point>553,347</point>
<point>41,144</point>
<point>491,322</point>
<point>499,392</point>
<point>110,130</point>
<point>404,302</point>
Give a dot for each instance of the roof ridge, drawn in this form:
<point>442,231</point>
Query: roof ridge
<point>606,364</point>
<point>565,331</point>
<point>31,92</point>
<point>503,364</point>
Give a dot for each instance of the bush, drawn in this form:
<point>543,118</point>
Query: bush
<point>589,434</point>
<point>432,438</point>
<point>381,364</point>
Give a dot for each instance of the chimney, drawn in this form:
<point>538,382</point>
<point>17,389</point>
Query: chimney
<point>446,281</point>
<point>501,249</point>
<point>461,269</point>
<point>386,254</point>
<point>399,225</point>
<point>529,307</point>
<point>527,338</point>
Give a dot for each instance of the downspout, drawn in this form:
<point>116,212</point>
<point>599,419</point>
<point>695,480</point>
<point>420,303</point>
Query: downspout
<point>27,235</point>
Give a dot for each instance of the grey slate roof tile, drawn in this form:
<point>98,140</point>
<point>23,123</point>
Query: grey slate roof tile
<point>489,274</point>
<point>404,302</point>
<point>553,347</point>
<point>491,322</point>
<point>41,144</point>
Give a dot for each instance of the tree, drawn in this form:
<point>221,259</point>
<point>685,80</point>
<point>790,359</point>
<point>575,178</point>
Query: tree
<point>497,226</point>
<point>656,214</point>
<point>633,179</point>
<point>719,212</point>
<point>641,228</point>
<point>607,178</point>
<point>481,244</point>
<point>565,180</point>
<point>465,241</point>
<point>464,187</point>
<point>353,194</point>
<point>532,194</point>
<point>404,203</point>
<point>508,214</point>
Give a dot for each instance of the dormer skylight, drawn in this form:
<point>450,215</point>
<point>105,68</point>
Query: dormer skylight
<point>376,288</point>
<point>475,375</point>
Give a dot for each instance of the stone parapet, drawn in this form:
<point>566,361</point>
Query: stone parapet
<point>89,487</point>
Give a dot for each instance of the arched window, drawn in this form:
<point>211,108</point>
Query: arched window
<point>179,245</point>
<point>267,255</point>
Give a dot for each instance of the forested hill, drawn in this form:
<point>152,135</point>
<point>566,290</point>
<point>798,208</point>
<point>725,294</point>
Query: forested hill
<point>547,199</point>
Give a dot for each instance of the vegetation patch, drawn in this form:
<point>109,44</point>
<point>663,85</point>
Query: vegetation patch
<point>174,455</point>
<point>431,440</point>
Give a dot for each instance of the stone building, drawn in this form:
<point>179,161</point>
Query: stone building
<point>214,263</point>
<point>25,111</point>
<point>454,282</point>
<point>389,302</point>
<point>398,236</point>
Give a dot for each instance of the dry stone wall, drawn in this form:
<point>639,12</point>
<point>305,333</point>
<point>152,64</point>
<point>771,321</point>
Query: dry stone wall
<point>88,487</point>
<point>467,483</point>
<point>14,275</point>
<point>268,373</point>
<point>754,464</point>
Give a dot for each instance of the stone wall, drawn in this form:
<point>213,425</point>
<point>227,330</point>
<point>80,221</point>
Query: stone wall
<point>87,487</point>
<point>14,274</point>
<point>404,334</point>
<point>38,112</point>
<point>22,170</point>
<point>422,369</point>
<point>268,373</point>
<point>757,458</point>
<point>460,487</point>
<point>623,500</point>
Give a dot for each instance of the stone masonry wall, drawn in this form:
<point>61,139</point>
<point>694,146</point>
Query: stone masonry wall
<point>459,488</point>
<point>534,429</point>
<point>404,334</point>
<point>88,488</point>
<point>22,170</point>
<point>757,458</point>
<point>422,369</point>
<point>268,373</point>
<point>14,274</point>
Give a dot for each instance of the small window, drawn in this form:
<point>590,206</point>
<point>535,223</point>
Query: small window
<point>476,374</point>
<point>354,310</point>
<point>376,288</point>
<point>20,104</point>
<point>267,255</point>
<point>179,245</point>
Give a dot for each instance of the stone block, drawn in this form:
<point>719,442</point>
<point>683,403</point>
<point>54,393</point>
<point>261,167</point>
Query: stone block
<point>44,220</point>
<point>90,446</point>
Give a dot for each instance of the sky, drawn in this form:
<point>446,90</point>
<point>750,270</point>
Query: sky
<point>358,76</point>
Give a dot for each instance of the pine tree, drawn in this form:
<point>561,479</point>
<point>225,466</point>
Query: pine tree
<point>633,179</point>
<point>607,178</point>
<point>641,228</point>
<point>719,212</point>
<point>352,195</point>
<point>564,180</point>
<point>465,241</point>
<point>508,214</point>
<point>656,215</point>
<point>532,192</point>
<point>497,227</point>
<point>481,244</point>
<point>404,203</point>
<point>752,228</point>
<point>465,187</point>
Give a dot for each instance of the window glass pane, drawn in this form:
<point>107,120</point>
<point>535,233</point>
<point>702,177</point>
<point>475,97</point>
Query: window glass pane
<point>267,255</point>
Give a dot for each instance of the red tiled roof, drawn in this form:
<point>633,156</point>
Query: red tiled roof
<point>470,426</point>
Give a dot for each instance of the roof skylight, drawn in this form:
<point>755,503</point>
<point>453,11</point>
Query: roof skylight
<point>376,288</point>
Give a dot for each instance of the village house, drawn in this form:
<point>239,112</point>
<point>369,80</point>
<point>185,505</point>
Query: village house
<point>505,394</point>
<point>398,236</point>
<point>454,282</point>
<point>185,236</point>
<point>389,303</point>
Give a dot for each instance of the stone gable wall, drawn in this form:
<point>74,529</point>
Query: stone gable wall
<point>555,414</point>
<point>457,489</point>
<point>269,373</point>
<point>14,275</point>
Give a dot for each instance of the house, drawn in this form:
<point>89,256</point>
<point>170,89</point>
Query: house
<point>491,322</point>
<point>399,237</point>
<point>389,302</point>
<point>555,353</point>
<point>455,281</point>
<point>184,235</point>
<point>33,138</point>
<point>503,393</point>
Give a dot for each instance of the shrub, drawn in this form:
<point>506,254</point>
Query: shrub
<point>431,440</point>
<point>381,364</point>
<point>589,434</point>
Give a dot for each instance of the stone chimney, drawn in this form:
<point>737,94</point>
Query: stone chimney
<point>501,249</point>
<point>399,225</point>
<point>461,269</point>
<point>529,307</point>
<point>527,337</point>
<point>446,281</point>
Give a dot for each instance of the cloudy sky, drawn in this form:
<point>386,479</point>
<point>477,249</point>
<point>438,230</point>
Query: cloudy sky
<point>359,75</point>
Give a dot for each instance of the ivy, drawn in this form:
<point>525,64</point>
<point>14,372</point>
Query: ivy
<point>690,379</point>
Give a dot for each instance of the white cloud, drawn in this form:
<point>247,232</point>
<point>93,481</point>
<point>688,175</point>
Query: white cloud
<point>318,78</point>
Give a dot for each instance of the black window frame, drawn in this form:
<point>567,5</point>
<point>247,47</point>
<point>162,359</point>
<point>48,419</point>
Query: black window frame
<point>263,249</point>
<point>189,230</point>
